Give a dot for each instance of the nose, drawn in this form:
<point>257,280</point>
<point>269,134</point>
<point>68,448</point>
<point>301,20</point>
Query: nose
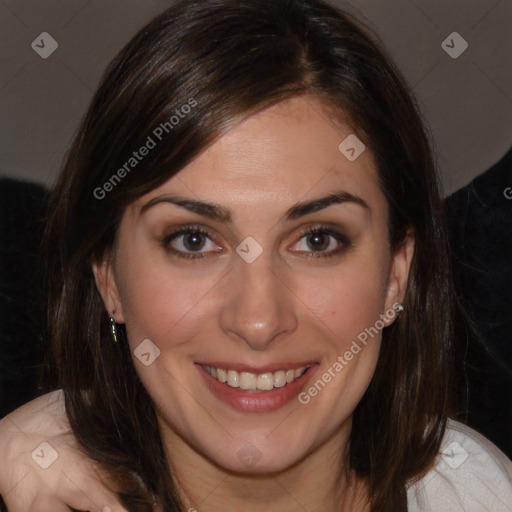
<point>260,306</point>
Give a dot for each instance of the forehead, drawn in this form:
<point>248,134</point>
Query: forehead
<point>285,153</point>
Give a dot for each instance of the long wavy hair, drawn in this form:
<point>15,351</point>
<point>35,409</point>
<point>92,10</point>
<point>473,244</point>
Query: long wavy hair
<point>234,59</point>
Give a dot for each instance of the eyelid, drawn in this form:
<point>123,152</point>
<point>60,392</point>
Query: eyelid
<point>326,229</point>
<point>184,230</point>
<point>187,228</point>
<point>343,241</point>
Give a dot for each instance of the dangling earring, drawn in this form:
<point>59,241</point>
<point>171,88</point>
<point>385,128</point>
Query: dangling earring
<point>113,330</point>
<point>399,309</point>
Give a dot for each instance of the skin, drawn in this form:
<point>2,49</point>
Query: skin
<point>283,307</point>
<point>72,480</point>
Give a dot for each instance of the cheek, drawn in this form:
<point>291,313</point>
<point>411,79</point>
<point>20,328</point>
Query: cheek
<point>345,307</point>
<point>160,299</point>
<point>347,300</point>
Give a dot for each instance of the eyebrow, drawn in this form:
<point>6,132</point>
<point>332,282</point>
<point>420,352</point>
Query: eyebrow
<point>220,213</point>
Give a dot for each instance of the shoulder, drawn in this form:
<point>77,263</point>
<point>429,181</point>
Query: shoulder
<point>470,475</point>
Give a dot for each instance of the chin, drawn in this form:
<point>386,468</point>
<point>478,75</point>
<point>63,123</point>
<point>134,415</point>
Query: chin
<point>249,457</point>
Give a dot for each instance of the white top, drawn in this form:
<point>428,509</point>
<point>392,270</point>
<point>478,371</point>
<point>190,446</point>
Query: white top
<point>471,475</point>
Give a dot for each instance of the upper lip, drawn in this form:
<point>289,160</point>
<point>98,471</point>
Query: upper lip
<point>267,368</point>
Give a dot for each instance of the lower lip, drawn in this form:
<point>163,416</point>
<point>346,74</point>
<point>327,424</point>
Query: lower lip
<point>262,401</point>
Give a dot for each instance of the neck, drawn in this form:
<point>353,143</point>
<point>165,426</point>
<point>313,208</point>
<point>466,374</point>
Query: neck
<point>320,481</point>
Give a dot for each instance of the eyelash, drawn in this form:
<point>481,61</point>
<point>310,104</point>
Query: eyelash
<point>192,229</point>
<point>184,231</point>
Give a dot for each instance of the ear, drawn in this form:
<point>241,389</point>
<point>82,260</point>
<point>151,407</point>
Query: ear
<point>399,273</point>
<point>104,276</point>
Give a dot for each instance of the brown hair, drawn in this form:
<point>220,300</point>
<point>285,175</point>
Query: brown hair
<point>234,59</point>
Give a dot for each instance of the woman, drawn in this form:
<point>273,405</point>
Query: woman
<point>249,296</point>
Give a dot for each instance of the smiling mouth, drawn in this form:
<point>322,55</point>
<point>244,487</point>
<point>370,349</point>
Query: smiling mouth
<point>246,381</point>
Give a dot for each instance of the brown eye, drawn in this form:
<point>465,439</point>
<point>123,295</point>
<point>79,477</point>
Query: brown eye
<point>189,242</point>
<point>321,242</point>
<point>318,241</point>
<point>193,241</point>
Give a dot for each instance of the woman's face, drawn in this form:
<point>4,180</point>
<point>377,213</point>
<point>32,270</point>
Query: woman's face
<point>256,294</point>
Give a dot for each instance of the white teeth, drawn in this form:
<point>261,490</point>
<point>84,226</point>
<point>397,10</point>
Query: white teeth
<point>233,379</point>
<point>247,380</point>
<point>279,379</point>
<point>251,381</point>
<point>265,381</point>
